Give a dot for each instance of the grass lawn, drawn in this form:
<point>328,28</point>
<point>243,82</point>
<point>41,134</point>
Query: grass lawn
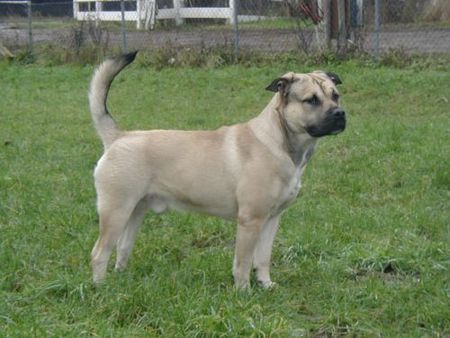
<point>363,252</point>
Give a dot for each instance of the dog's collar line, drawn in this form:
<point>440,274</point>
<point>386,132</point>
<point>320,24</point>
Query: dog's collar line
<point>295,154</point>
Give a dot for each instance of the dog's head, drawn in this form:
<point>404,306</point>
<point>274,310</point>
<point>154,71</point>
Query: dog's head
<point>310,103</point>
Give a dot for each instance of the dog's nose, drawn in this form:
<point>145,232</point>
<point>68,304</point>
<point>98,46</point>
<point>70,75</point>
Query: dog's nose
<point>338,112</point>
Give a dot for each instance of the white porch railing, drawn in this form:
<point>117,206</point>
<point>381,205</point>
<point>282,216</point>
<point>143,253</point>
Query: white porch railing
<point>146,12</point>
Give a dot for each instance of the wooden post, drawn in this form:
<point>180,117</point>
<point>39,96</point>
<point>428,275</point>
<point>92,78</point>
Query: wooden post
<point>138,14</point>
<point>377,31</point>
<point>235,21</point>
<point>177,5</point>
<point>150,14</point>
<point>342,34</point>
<point>76,9</point>
<point>98,9</point>
<point>327,22</point>
<point>359,15</point>
<point>123,26</point>
<point>323,27</point>
<point>233,12</point>
<point>30,27</point>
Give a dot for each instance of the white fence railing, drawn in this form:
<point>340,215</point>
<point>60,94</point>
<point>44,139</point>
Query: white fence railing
<point>146,12</point>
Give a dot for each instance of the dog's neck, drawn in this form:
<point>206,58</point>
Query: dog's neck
<point>272,130</point>
<point>299,146</point>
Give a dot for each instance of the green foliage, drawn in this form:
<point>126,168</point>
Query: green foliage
<point>363,252</point>
<point>88,44</point>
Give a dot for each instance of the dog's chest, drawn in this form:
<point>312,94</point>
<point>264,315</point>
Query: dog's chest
<point>294,186</point>
<point>293,183</point>
<point>289,191</point>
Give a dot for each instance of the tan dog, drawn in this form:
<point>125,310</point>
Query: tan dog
<point>248,172</point>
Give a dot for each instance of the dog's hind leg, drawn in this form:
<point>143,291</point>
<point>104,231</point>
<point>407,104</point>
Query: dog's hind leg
<point>126,241</point>
<point>113,219</point>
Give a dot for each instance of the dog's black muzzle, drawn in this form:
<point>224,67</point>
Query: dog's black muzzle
<point>333,124</point>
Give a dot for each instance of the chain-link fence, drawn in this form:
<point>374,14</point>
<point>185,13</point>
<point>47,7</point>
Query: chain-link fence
<point>267,26</point>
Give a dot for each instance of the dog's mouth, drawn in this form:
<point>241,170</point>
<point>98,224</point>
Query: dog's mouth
<point>329,126</point>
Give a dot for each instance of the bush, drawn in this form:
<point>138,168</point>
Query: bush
<point>437,10</point>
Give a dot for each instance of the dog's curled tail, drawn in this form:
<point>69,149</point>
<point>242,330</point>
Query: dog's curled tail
<point>98,94</point>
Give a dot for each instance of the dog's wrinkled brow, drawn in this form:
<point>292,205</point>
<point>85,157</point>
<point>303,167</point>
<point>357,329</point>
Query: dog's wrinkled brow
<point>320,81</point>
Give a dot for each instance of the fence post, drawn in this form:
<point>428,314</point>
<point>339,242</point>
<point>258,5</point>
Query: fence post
<point>76,9</point>
<point>124,34</point>
<point>342,34</point>
<point>327,19</point>
<point>234,8</point>
<point>138,13</point>
<point>177,4</point>
<point>377,31</point>
<point>322,29</point>
<point>30,28</point>
<point>98,10</point>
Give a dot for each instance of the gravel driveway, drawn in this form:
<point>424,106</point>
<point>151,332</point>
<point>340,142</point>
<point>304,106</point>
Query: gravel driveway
<point>424,40</point>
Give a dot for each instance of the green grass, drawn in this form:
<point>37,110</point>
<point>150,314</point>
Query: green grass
<point>363,252</point>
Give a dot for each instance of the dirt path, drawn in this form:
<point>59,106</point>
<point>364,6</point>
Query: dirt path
<point>426,40</point>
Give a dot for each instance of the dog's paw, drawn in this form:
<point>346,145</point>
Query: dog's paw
<point>268,285</point>
<point>242,285</point>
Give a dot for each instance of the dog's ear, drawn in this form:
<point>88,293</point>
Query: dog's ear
<point>277,85</point>
<point>281,84</point>
<point>334,78</point>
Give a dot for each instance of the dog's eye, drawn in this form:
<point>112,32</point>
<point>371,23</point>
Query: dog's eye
<point>314,101</point>
<point>335,97</point>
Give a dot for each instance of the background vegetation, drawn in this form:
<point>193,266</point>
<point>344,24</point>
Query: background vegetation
<point>363,252</point>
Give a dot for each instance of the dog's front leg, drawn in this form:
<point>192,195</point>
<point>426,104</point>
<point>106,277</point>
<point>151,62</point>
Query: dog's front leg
<point>249,229</point>
<point>263,251</point>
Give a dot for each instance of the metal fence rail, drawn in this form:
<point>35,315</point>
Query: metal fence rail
<point>266,26</point>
